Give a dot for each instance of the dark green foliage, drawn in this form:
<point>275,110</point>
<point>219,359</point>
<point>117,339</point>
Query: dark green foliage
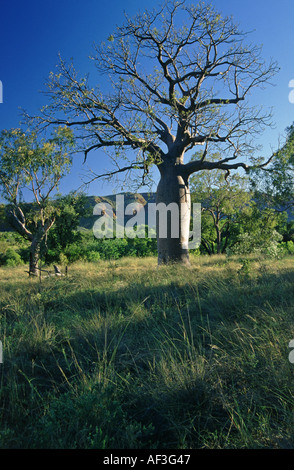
<point>78,245</point>
<point>28,162</point>
<point>258,231</point>
<point>92,249</point>
<point>275,186</point>
<point>64,232</point>
<point>222,200</point>
<point>13,249</point>
<point>10,258</point>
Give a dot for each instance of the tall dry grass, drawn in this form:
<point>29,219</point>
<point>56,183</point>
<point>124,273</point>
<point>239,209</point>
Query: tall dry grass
<point>121,354</point>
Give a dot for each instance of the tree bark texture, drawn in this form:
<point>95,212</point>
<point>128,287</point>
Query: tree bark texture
<point>173,230</point>
<point>34,256</point>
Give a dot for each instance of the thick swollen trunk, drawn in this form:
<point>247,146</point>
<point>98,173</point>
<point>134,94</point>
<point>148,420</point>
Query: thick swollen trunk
<point>173,217</point>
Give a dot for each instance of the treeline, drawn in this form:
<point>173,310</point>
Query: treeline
<point>241,214</point>
<point>15,251</point>
<point>237,221</point>
<point>233,230</point>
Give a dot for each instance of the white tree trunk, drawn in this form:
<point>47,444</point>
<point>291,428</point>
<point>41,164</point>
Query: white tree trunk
<point>173,230</point>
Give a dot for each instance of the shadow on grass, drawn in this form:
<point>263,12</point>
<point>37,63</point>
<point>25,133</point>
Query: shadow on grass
<point>184,358</point>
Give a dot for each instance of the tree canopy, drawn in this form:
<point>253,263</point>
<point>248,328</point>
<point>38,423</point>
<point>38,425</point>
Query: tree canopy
<point>222,201</point>
<point>178,77</point>
<point>275,186</point>
<point>34,164</point>
<point>168,81</point>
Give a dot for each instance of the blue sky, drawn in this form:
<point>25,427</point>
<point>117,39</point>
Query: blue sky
<point>33,33</point>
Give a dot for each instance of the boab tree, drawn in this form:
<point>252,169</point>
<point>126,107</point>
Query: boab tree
<point>180,78</point>
<point>28,163</point>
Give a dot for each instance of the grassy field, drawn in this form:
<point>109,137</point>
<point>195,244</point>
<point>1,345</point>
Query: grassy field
<point>122,355</point>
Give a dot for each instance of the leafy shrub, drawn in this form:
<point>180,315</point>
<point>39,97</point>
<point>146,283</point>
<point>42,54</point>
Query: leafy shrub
<point>52,256</point>
<point>113,248</point>
<point>142,246</point>
<point>92,256</point>
<point>24,254</point>
<point>74,252</point>
<point>248,243</point>
<point>10,258</point>
<point>63,260</point>
<point>245,269</point>
<point>290,247</point>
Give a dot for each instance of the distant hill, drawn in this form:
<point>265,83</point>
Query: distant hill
<point>139,200</point>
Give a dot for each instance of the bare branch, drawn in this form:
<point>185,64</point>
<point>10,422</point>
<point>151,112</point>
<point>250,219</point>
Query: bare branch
<point>174,87</point>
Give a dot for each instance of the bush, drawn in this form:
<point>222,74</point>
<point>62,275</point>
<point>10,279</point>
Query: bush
<point>24,254</point>
<point>290,247</point>
<point>93,256</point>
<point>142,246</point>
<point>248,243</point>
<point>74,252</point>
<point>63,260</point>
<point>10,258</point>
<point>52,256</point>
<point>113,248</point>
<point>287,248</point>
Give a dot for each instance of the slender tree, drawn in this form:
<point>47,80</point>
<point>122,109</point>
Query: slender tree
<point>69,210</point>
<point>35,165</point>
<point>177,78</point>
<point>274,187</point>
<point>222,202</point>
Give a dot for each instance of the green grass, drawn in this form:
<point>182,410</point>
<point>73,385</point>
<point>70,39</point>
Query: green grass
<point>120,354</point>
